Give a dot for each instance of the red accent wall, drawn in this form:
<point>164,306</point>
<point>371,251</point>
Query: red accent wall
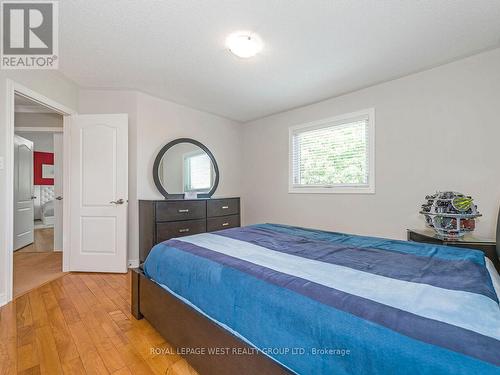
<point>40,158</point>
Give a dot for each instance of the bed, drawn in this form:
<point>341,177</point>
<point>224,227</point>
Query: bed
<point>273,299</point>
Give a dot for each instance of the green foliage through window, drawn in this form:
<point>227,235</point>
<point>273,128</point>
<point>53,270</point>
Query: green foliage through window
<point>331,155</point>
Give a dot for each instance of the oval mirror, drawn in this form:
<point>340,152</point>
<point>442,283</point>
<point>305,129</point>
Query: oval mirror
<point>185,166</point>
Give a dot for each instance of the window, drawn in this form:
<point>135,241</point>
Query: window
<point>197,172</point>
<point>334,155</point>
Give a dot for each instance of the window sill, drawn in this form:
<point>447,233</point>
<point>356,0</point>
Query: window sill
<point>332,190</point>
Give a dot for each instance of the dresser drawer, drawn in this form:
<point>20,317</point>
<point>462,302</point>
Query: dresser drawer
<point>223,207</point>
<point>180,210</point>
<point>168,230</point>
<point>222,222</point>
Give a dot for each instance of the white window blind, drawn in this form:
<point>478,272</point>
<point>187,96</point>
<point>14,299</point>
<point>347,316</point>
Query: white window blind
<point>198,172</point>
<point>334,153</point>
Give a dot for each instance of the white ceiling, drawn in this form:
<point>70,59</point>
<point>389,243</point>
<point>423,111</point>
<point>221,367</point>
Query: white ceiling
<point>314,49</point>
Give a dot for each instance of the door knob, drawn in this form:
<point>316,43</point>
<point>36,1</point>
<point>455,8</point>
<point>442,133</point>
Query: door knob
<point>33,197</point>
<point>119,201</point>
<point>59,198</point>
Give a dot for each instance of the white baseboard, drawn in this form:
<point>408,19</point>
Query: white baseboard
<point>133,263</point>
<point>3,299</point>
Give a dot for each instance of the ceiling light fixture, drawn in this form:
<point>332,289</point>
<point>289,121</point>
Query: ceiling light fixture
<point>244,44</point>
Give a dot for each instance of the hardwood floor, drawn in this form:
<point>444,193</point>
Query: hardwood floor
<point>37,263</point>
<point>81,324</point>
<point>44,241</point>
<point>34,269</point>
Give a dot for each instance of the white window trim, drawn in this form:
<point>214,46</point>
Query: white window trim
<point>348,189</point>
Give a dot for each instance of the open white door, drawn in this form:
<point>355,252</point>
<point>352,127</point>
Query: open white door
<point>58,191</point>
<point>24,212</point>
<point>99,194</point>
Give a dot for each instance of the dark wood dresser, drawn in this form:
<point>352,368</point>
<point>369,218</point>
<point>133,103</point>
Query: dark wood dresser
<point>165,219</point>
<point>486,245</point>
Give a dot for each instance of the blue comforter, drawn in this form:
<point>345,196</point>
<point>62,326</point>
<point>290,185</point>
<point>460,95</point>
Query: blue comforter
<point>330,303</point>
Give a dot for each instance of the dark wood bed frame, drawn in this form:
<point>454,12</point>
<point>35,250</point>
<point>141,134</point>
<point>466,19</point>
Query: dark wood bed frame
<point>190,333</point>
<point>185,328</point>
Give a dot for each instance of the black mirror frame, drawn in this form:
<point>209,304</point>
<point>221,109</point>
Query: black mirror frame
<point>160,155</point>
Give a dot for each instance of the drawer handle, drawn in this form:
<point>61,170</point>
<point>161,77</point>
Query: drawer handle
<point>225,224</point>
<point>182,211</point>
<point>225,207</point>
<point>184,230</point>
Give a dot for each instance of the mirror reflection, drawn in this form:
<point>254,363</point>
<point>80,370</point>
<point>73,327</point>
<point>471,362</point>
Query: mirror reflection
<point>186,168</point>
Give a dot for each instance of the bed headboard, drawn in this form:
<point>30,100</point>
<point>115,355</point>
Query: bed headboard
<point>46,194</point>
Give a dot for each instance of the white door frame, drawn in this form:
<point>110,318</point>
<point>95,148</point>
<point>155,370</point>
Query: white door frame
<point>14,88</point>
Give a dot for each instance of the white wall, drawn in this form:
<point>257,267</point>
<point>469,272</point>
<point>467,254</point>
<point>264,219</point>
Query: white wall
<point>153,123</point>
<point>161,121</point>
<point>42,142</point>
<point>48,83</point>
<point>438,129</point>
<point>38,120</point>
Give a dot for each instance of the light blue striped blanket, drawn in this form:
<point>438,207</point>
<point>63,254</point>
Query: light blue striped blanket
<point>330,303</point>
